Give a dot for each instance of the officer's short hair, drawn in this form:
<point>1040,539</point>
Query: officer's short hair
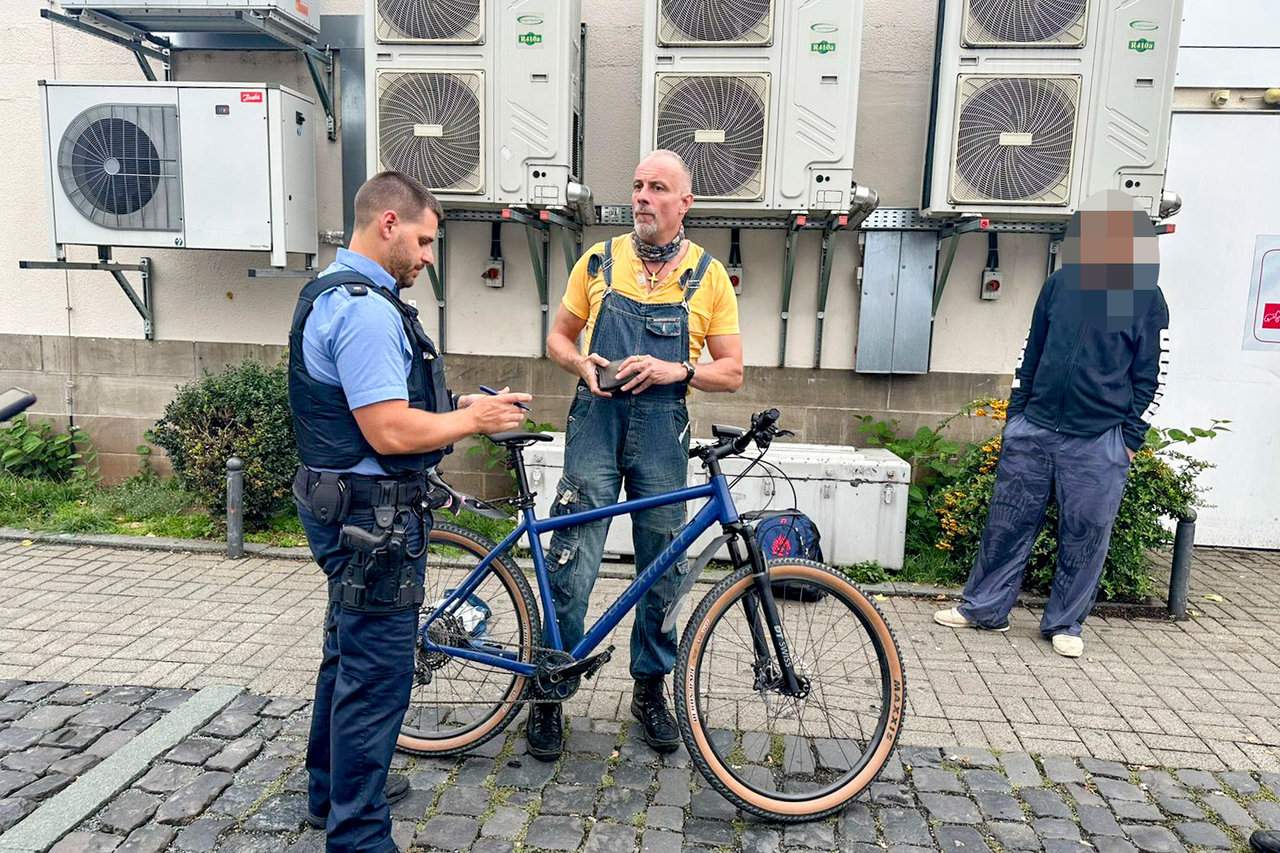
<point>396,191</point>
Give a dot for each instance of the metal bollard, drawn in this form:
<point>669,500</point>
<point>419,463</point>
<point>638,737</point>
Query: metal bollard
<point>1180,572</point>
<point>235,508</point>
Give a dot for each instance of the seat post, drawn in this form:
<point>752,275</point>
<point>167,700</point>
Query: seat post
<point>515,462</point>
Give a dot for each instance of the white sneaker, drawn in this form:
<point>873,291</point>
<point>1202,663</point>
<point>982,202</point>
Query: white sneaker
<point>1068,646</point>
<point>953,618</point>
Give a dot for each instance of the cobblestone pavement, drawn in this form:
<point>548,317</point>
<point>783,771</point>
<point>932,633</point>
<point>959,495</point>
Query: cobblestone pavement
<point>237,786</point>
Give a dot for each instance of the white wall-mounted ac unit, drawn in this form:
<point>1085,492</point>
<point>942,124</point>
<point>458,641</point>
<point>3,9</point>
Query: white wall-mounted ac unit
<point>300,17</point>
<point>1038,105</point>
<point>478,99</point>
<point>181,165</point>
<point>760,97</point>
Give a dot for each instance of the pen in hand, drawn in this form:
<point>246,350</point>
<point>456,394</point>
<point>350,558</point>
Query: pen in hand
<point>492,393</point>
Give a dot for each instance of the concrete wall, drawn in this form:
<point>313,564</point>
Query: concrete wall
<point>205,297</point>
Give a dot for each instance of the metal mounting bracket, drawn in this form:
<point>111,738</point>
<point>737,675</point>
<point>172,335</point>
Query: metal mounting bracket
<point>142,305</point>
<point>538,231</point>
<point>795,223</point>
<point>436,272</point>
<point>834,223</point>
<point>144,45</point>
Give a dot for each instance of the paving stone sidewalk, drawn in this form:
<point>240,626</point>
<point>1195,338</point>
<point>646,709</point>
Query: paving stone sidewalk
<point>1203,694</point>
<point>238,786</point>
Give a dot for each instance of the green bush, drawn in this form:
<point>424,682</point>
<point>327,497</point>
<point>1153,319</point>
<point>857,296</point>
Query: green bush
<point>38,450</point>
<point>1162,485</point>
<point>241,412</point>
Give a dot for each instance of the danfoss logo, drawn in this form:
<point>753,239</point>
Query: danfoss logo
<point>250,97</point>
<point>1271,315</point>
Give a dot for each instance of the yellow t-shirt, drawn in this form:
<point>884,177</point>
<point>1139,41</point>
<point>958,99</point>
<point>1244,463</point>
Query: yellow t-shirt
<point>712,311</point>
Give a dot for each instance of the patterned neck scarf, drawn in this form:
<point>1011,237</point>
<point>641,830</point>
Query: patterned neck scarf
<point>648,252</point>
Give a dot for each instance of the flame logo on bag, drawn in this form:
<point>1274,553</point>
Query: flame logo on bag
<point>780,546</point>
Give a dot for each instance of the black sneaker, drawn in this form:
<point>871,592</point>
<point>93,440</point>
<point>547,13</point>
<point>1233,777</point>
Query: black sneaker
<point>649,706</point>
<point>397,788</point>
<point>545,730</point>
<point>1265,841</point>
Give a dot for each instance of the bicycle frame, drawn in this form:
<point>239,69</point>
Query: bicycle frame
<point>718,508</point>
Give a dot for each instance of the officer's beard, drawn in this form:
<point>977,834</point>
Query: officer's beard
<point>402,265</point>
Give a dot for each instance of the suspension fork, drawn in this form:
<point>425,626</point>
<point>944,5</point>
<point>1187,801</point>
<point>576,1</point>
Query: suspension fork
<point>766,632</point>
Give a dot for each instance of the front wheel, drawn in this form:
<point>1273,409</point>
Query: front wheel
<point>786,757</point>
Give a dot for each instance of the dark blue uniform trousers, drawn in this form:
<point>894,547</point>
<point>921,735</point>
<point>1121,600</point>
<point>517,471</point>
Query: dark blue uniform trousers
<point>1088,475</point>
<point>362,693</point>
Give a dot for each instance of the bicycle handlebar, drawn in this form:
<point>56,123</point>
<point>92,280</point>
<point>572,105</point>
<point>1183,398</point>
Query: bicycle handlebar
<point>762,431</point>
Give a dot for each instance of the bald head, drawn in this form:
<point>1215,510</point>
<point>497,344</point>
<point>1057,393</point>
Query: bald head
<point>666,156</point>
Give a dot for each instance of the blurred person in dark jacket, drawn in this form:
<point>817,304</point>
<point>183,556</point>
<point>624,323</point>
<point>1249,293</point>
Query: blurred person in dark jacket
<point>1089,377</point>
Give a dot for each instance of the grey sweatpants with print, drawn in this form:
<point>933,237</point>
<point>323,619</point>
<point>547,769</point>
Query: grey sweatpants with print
<point>1088,475</point>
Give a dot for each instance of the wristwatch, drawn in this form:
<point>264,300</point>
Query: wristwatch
<point>689,370</point>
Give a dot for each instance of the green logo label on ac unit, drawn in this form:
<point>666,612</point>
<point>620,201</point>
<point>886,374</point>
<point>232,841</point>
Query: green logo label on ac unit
<point>823,46</point>
<point>530,38</point>
<point>1142,45</point>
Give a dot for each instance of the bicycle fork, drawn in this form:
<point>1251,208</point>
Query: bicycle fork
<point>774,666</point>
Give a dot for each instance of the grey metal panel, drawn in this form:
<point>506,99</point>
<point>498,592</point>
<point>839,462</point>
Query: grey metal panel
<point>878,307</point>
<point>913,321</point>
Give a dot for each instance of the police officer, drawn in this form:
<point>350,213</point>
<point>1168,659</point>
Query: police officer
<point>650,302</point>
<point>371,414</point>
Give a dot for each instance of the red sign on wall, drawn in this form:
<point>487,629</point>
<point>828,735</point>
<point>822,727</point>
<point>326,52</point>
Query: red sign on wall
<point>1271,315</point>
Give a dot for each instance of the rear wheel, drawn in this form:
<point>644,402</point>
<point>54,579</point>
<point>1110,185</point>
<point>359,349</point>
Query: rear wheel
<point>778,756</point>
<point>458,704</point>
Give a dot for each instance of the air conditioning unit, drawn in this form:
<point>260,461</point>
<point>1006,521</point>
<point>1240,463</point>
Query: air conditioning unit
<point>298,17</point>
<point>478,99</point>
<point>1039,104</point>
<point>759,97</point>
<point>181,165</point>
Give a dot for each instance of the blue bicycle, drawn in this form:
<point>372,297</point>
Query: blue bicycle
<point>789,683</point>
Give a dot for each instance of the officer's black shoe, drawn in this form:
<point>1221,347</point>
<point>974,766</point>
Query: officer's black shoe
<point>397,788</point>
<point>649,706</point>
<point>545,731</point>
<point>1265,841</point>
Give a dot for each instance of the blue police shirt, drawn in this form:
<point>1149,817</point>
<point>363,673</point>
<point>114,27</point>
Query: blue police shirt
<point>359,343</point>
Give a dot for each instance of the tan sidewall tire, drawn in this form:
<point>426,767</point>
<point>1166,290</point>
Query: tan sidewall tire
<point>505,712</point>
<point>701,745</point>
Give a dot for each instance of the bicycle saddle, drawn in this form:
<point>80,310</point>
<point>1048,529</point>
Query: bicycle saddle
<point>521,439</point>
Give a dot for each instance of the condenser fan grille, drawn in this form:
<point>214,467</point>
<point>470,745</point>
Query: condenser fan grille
<point>715,21</point>
<point>118,165</point>
<point>1015,138</point>
<point>717,124</point>
<point>429,126</point>
<point>430,21</point>
<point>1029,23</point>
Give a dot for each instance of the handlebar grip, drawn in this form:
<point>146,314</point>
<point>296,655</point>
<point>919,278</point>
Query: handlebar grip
<point>761,423</point>
<point>14,401</point>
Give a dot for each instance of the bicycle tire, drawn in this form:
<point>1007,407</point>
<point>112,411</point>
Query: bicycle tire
<point>746,785</point>
<point>416,738</point>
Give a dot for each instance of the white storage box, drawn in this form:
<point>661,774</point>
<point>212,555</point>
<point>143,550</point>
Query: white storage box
<point>857,497</point>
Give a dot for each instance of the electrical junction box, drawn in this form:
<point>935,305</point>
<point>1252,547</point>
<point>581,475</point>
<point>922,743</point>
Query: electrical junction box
<point>992,284</point>
<point>735,277</point>
<point>492,274</point>
<point>181,165</point>
<point>857,497</point>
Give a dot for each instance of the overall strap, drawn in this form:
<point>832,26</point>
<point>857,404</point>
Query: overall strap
<point>692,279</point>
<point>602,263</point>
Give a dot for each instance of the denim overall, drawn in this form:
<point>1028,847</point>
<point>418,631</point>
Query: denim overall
<point>641,440</point>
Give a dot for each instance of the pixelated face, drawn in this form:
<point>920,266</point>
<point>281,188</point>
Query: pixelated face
<point>1110,253</point>
<point>411,249</point>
